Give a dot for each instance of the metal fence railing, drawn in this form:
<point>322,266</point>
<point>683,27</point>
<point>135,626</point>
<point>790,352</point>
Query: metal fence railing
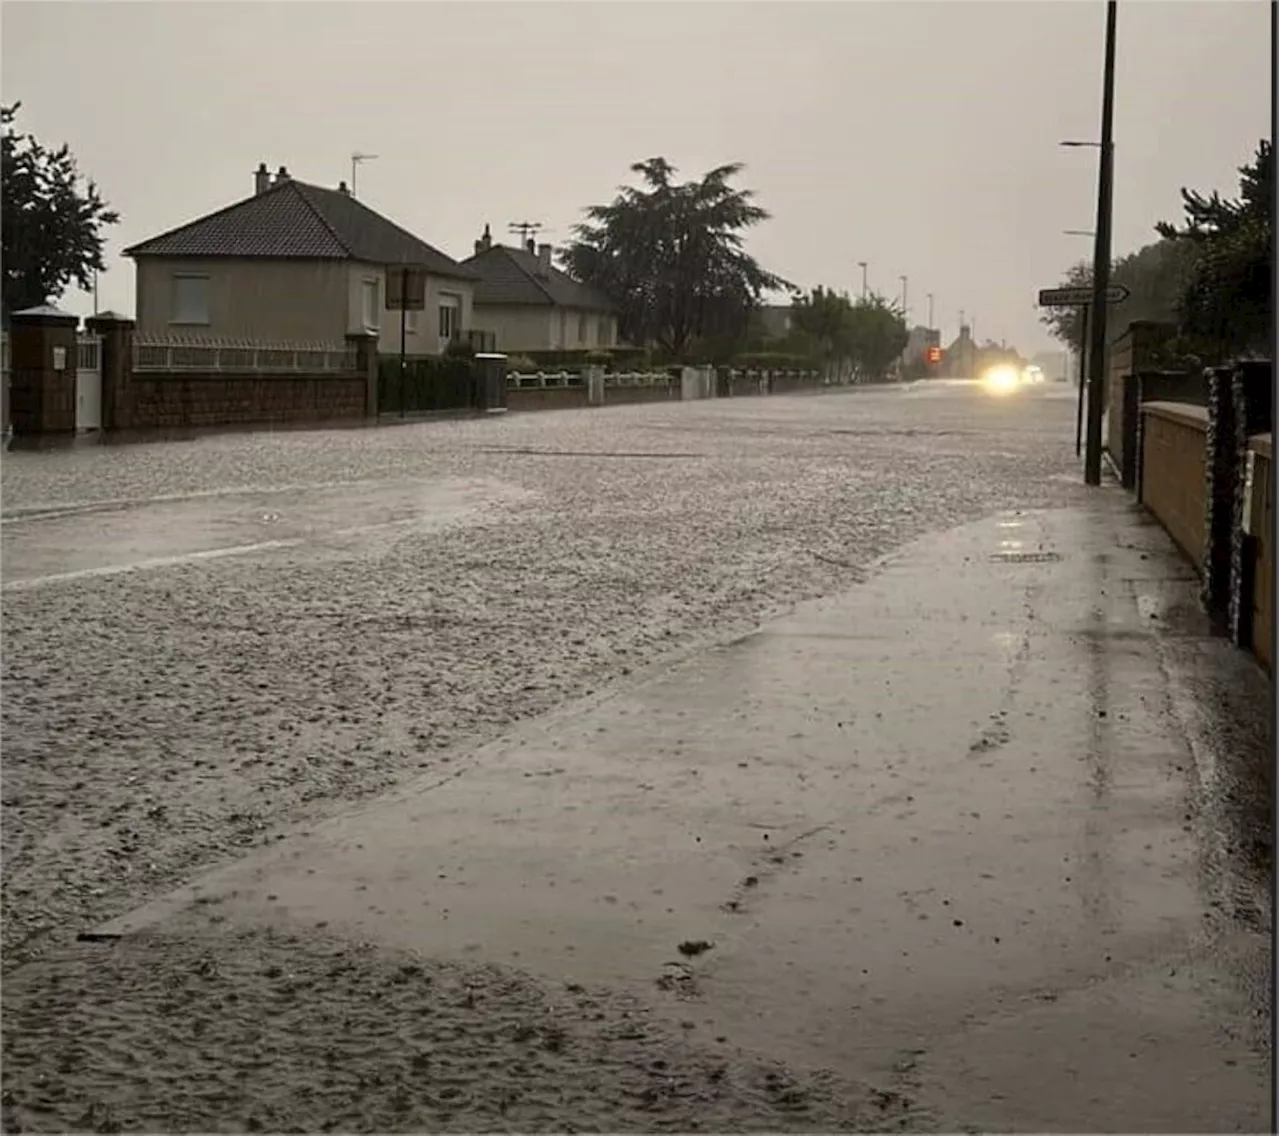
<point>518,380</point>
<point>89,353</point>
<point>155,354</point>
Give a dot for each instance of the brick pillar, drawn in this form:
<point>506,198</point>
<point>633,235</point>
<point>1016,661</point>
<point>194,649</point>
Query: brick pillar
<point>117,368</point>
<point>1221,465</point>
<point>366,345</point>
<point>43,351</point>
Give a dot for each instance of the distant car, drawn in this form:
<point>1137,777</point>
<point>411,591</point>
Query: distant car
<point>1005,378</point>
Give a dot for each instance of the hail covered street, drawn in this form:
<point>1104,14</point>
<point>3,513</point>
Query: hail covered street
<point>796,763</point>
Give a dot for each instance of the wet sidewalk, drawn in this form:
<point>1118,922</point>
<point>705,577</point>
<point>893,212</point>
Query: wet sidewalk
<point>963,832</point>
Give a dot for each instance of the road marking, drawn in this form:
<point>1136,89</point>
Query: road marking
<point>31,582</point>
<point>156,562</point>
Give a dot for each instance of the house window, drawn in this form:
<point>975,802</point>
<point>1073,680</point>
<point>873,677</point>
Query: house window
<point>371,310</point>
<point>411,321</point>
<point>190,300</point>
<point>450,319</point>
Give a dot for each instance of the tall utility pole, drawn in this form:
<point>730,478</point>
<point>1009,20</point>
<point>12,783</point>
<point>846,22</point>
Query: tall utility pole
<point>356,159</point>
<point>929,297</point>
<point>863,265</point>
<point>1101,262</point>
<point>904,296</point>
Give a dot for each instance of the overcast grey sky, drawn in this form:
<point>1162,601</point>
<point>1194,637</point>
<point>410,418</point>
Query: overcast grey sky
<point>919,136</point>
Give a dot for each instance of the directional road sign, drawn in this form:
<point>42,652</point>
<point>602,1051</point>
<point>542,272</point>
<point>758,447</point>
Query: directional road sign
<point>1074,297</point>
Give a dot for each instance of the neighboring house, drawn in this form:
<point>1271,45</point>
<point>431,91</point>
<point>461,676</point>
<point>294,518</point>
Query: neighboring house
<point>295,263</point>
<point>530,305</point>
<point>961,359</point>
<point>774,321</point>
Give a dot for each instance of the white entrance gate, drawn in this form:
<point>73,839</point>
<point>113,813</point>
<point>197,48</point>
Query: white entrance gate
<point>89,383</point>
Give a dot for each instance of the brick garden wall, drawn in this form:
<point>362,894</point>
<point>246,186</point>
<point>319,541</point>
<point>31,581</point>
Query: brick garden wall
<point>616,396</point>
<point>213,399</point>
<point>547,398</point>
<point>1173,472</point>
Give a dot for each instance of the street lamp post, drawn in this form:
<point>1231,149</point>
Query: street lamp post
<point>904,296</point>
<point>1101,261</point>
<point>929,297</point>
<point>863,265</point>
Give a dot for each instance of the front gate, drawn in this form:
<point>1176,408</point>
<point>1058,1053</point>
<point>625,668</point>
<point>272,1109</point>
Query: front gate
<point>89,383</point>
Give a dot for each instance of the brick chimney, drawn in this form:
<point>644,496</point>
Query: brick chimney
<point>342,188</point>
<point>261,179</point>
<point>544,255</point>
<point>282,175</point>
<point>530,247</point>
<point>485,243</point>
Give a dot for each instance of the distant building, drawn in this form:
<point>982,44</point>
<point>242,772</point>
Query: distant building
<point>960,360</point>
<point>774,321</point>
<point>919,340</point>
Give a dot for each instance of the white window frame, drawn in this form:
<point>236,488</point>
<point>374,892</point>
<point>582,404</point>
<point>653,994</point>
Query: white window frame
<point>178,313</point>
<point>449,316</point>
<point>371,314</point>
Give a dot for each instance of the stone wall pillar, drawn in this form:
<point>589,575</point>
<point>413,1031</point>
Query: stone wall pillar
<point>595,385</point>
<point>366,345</point>
<point>43,353</point>
<point>1252,409</point>
<point>117,368</point>
<point>1221,466</point>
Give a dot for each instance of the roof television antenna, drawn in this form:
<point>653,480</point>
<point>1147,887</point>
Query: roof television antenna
<point>356,159</point>
<point>526,229</point>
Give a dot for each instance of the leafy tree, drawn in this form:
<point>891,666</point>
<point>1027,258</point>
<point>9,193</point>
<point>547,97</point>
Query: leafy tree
<point>877,334</point>
<point>51,223</point>
<point>1225,302</point>
<point>823,318</point>
<point>670,255</point>
<point>1154,275</point>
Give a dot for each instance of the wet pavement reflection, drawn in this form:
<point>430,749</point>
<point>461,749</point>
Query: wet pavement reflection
<point>988,828</point>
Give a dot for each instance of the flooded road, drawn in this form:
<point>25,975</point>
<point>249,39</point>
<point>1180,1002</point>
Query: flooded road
<point>952,843</point>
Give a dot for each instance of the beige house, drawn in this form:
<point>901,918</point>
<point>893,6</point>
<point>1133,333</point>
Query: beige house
<point>530,305</point>
<point>295,263</point>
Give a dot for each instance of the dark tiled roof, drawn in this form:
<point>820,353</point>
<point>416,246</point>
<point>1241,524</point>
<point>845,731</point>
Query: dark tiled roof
<point>515,276</point>
<point>294,220</point>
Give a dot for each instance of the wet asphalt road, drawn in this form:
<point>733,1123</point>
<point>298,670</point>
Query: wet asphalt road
<point>213,645</point>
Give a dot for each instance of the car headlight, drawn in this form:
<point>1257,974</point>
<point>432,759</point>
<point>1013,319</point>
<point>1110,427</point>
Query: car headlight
<point>1001,380</point>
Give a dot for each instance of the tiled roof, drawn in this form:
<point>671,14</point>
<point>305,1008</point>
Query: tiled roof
<point>294,220</point>
<point>514,276</point>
